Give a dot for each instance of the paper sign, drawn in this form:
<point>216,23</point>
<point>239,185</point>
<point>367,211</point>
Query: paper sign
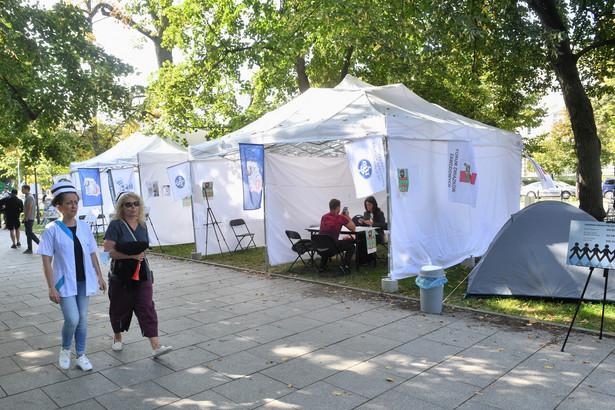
<point>591,244</point>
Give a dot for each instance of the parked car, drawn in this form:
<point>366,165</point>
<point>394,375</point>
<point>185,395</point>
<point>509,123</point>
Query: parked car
<point>607,188</point>
<point>561,190</point>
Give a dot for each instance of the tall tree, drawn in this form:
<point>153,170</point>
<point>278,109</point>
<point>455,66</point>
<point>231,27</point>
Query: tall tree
<point>53,80</point>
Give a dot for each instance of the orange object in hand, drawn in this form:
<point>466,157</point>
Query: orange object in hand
<point>135,275</point>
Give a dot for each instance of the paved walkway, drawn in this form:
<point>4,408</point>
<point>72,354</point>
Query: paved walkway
<point>246,341</point>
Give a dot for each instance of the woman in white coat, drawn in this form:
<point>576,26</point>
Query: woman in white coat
<point>71,270</point>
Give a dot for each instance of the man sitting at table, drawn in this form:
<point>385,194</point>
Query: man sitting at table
<point>331,224</point>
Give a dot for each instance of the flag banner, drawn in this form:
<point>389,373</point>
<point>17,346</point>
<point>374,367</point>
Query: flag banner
<point>545,180</point>
<point>181,183</point>
<point>90,187</point>
<point>368,165</point>
<point>123,180</point>
<point>462,173</point>
<point>252,157</point>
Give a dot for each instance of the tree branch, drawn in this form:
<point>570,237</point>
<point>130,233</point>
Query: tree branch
<point>109,10</point>
<point>593,47</point>
<point>31,114</point>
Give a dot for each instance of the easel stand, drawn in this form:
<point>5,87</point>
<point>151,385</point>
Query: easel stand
<point>155,234</point>
<point>606,282</point>
<point>211,220</point>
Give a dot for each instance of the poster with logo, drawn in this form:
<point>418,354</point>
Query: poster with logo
<point>591,244</point>
<point>370,239</point>
<point>368,165</point>
<point>462,173</point>
<point>402,180</point>
<point>90,186</point>
<point>181,183</point>
<point>208,189</point>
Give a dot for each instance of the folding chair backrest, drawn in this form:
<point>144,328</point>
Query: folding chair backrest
<point>324,242</point>
<point>293,236</point>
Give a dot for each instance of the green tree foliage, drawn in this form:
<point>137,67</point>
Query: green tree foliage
<point>53,81</point>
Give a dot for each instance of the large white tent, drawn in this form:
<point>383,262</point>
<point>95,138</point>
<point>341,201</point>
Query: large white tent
<point>305,166</point>
<point>148,156</point>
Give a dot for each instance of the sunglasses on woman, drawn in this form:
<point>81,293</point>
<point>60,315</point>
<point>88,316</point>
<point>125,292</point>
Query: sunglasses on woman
<point>131,204</point>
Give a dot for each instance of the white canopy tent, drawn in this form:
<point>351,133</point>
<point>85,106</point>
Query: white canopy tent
<point>305,166</point>
<point>149,156</point>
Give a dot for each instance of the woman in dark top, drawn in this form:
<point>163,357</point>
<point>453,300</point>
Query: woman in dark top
<point>128,296</point>
<point>373,216</point>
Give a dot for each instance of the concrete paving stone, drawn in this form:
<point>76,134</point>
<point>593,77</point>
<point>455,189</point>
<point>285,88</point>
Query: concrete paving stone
<point>379,316</point>
<point>328,314</point>
<point>337,357</point>
<point>472,404</point>
<point>266,333</point>
<point>368,344</point>
<point>137,372</point>
<point>400,364</point>
<point>587,346</point>
<point>31,379</point>
<point>284,312</point>
<point>27,321</point>
<point>319,395</point>
<point>242,308</point>
<point>50,327</point>
<point>519,344</point>
<point>502,396</point>
<point>100,361</point>
<point>430,350</point>
<point>178,324</point>
<point>8,366</point>
<point>437,389</point>
<point>205,400</point>
<point>88,386</point>
<point>91,404</point>
<point>193,380</point>
<point>469,371</point>
<point>166,313</point>
<point>254,390</point>
<point>227,345</point>
<point>221,328</point>
<point>587,399</point>
<point>364,378</point>
<point>36,358</point>
<point>279,351</point>
<point>211,316</point>
<point>608,364</point>
<point>310,301</point>
<point>239,364</point>
<point>182,339</point>
<point>298,324</point>
<point>342,330</point>
<point>300,372</point>
<point>481,353</point>
<point>187,357</point>
<point>599,381</point>
<point>455,337</point>
<point>146,395</point>
<point>399,331</point>
<point>19,334</point>
<point>44,341</point>
<point>33,399</point>
<point>394,400</point>
<point>8,349</point>
<point>256,319</point>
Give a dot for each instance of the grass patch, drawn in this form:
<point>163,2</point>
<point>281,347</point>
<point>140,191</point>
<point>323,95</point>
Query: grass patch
<point>369,278</point>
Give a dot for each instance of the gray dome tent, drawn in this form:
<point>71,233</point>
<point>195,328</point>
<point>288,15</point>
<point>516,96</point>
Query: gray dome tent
<point>527,258</point>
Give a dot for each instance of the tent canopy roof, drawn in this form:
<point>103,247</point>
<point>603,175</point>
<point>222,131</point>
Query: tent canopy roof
<point>319,121</point>
<point>125,152</point>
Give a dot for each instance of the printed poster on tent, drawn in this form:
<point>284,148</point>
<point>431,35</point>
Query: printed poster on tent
<point>462,173</point>
<point>368,165</point>
<point>591,244</point>
<point>252,156</point>
<point>90,187</point>
<point>181,184</point>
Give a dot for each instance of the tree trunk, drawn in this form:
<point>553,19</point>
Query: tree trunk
<point>579,107</point>
<point>302,78</point>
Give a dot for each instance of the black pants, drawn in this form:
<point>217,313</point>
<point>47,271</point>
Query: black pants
<point>346,246</point>
<point>30,234</point>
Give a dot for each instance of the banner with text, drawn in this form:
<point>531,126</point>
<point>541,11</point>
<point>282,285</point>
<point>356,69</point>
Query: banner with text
<point>462,173</point>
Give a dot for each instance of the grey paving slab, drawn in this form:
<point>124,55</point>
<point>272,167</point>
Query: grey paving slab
<point>245,341</point>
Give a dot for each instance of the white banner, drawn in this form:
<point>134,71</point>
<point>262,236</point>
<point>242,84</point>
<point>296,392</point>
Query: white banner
<point>368,166</point>
<point>123,180</point>
<point>462,173</point>
<point>545,180</point>
<point>181,183</point>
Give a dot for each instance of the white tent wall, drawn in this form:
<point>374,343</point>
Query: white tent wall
<point>426,228</point>
<point>226,205</point>
<point>170,221</point>
<point>298,190</point>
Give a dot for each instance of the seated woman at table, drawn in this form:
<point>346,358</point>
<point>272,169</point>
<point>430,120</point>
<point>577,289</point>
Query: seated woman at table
<point>374,217</point>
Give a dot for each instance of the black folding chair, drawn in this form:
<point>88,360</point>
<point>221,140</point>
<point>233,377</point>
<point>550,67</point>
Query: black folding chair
<point>241,231</point>
<point>325,245</point>
<point>301,247</point>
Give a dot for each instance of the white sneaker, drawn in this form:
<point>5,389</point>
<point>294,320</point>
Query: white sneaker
<point>117,346</point>
<point>64,358</point>
<point>160,351</point>
<point>84,363</point>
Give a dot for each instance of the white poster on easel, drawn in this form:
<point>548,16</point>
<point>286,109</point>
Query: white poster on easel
<point>591,244</point>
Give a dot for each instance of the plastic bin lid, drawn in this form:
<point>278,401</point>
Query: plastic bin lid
<point>432,271</point>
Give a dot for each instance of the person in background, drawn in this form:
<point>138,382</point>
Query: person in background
<point>13,207</point>
<point>127,296</point>
<point>373,216</point>
<point>331,224</point>
<point>5,194</point>
<point>72,272</point>
<point>29,217</point>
